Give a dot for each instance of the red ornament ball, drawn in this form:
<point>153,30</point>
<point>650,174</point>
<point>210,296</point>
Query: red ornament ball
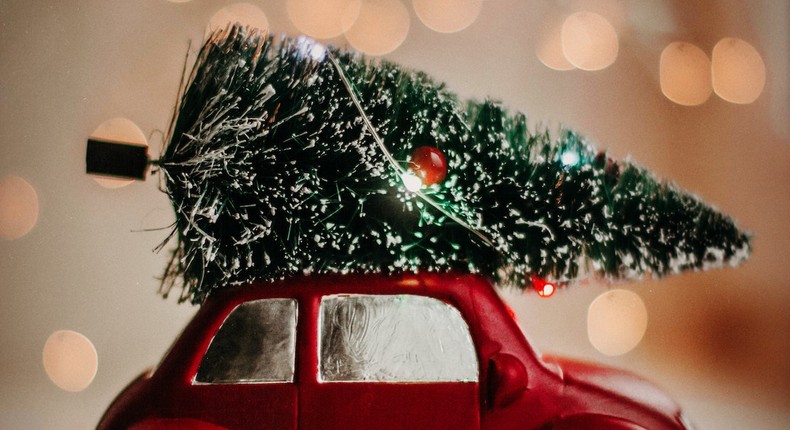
<point>429,164</point>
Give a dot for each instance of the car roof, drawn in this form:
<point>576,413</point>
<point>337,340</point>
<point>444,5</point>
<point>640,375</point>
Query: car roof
<point>441,285</point>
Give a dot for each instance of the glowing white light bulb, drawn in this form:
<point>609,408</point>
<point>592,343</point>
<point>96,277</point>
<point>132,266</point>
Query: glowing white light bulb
<point>570,158</point>
<point>548,290</point>
<point>411,181</point>
<point>310,48</point>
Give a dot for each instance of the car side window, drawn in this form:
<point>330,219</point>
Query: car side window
<point>393,338</point>
<point>255,344</point>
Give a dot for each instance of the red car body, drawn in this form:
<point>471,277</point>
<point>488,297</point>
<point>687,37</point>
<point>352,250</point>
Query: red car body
<point>512,387</point>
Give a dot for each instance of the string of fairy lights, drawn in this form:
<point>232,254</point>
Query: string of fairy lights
<point>579,41</point>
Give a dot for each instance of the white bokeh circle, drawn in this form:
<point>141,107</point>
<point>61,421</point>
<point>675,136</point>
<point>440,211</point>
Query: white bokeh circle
<point>245,14</point>
<point>684,74</point>
<point>447,16</point>
<point>323,19</point>
<point>738,71</point>
<point>616,322</point>
<point>70,360</point>
<point>589,41</point>
<point>18,207</point>
<point>380,28</point>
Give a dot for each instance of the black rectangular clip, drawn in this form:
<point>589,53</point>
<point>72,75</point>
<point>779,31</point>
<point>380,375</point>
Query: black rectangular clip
<point>116,159</point>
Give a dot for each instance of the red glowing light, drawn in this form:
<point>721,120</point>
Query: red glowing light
<point>544,288</point>
<point>547,290</point>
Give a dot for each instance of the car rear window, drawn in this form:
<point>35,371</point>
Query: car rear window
<point>255,344</point>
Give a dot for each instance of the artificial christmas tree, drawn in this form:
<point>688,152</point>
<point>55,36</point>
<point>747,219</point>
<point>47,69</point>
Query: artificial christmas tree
<point>286,159</point>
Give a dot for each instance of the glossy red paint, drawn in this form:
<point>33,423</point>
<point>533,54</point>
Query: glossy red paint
<point>174,424</point>
<point>517,389</point>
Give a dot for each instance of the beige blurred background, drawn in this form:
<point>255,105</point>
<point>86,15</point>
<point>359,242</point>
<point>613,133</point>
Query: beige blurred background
<point>717,341</point>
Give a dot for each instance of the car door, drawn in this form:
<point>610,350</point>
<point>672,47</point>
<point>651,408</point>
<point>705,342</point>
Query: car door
<point>245,379</point>
<point>390,362</point>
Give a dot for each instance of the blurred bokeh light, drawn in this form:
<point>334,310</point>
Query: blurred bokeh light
<point>589,41</point>
<point>549,49</point>
<point>18,207</point>
<point>70,360</point>
<point>447,16</point>
<point>380,28</point>
<point>323,19</point>
<point>616,322</point>
<point>684,71</point>
<point>241,13</point>
<point>738,71</point>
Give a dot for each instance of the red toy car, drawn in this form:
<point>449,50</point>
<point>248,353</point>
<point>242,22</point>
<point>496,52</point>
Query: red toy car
<point>428,351</point>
